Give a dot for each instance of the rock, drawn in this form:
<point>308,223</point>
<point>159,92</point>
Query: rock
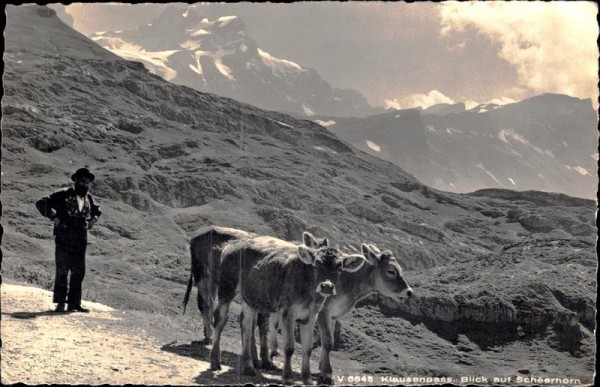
<point>581,229</point>
<point>171,151</point>
<point>173,113</point>
<point>129,126</point>
<point>17,108</point>
<point>463,344</point>
<point>366,212</point>
<point>492,213</point>
<point>47,145</point>
<point>420,230</point>
<point>532,222</point>
<point>536,223</point>
<point>406,186</point>
<point>46,12</point>
<point>390,201</point>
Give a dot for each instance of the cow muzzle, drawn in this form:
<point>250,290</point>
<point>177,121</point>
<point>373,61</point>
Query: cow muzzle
<point>406,293</point>
<point>326,288</point>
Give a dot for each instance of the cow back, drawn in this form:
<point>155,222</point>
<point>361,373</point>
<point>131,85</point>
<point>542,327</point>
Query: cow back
<point>205,249</point>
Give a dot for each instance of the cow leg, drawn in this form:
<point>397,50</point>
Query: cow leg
<point>246,324</point>
<point>306,338</point>
<point>200,302</point>
<point>326,325</point>
<point>204,293</point>
<point>253,346</point>
<point>220,321</point>
<point>287,328</point>
<point>273,327</point>
<point>263,331</point>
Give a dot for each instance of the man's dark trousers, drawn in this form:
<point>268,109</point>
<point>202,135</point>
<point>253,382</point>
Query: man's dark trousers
<point>69,257</point>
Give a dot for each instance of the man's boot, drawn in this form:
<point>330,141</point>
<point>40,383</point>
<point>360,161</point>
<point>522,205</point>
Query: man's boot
<point>77,308</point>
<point>60,307</point>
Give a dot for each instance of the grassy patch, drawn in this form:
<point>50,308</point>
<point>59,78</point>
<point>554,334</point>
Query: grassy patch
<point>40,276</point>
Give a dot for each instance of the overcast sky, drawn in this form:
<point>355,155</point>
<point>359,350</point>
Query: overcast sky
<point>402,55</point>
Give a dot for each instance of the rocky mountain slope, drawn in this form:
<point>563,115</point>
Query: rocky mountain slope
<point>493,272</point>
<point>219,57</point>
<point>548,143</point>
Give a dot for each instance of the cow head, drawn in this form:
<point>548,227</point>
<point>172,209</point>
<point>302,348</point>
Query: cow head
<point>312,242</point>
<point>389,280</point>
<point>328,263</point>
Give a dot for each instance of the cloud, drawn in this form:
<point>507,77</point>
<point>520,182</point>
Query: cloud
<point>551,44</point>
<point>435,97</point>
<point>457,47</point>
<point>415,100</point>
<point>501,101</point>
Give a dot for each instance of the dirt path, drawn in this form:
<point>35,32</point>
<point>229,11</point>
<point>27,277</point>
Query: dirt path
<point>108,346</point>
<point>44,347</point>
<point>39,346</point>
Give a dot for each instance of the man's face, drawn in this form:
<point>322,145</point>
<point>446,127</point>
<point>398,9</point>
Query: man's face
<point>82,184</point>
<point>83,181</point>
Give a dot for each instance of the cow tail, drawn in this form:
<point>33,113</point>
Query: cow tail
<point>186,298</point>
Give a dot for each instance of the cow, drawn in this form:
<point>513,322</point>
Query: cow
<point>205,249</point>
<point>275,276</point>
<point>381,274</point>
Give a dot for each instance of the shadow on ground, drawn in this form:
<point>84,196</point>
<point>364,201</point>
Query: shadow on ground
<point>198,350</point>
<point>30,315</point>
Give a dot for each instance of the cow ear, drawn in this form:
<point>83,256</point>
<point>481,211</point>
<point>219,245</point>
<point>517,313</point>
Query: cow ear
<point>369,255</point>
<point>309,240</point>
<point>375,249</point>
<point>306,255</point>
<point>353,263</point>
<point>325,242</point>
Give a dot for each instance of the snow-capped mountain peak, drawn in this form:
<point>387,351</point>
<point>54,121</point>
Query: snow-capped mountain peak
<point>218,56</point>
<point>278,65</point>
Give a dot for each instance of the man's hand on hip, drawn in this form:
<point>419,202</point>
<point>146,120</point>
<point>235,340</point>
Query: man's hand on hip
<point>56,221</point>
<point>92,222</point>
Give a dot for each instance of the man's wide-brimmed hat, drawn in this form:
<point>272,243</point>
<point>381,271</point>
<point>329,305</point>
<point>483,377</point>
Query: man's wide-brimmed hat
<point>83,172</point>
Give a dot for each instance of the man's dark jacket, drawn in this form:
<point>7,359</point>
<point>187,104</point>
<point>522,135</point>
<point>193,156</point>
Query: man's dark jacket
<point>72,228</point>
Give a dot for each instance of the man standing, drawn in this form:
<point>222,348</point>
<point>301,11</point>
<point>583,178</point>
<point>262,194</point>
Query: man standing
<point>73,212</point>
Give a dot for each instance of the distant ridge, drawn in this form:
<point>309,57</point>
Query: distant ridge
<point>546,143</point>
<point>537,197</point>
